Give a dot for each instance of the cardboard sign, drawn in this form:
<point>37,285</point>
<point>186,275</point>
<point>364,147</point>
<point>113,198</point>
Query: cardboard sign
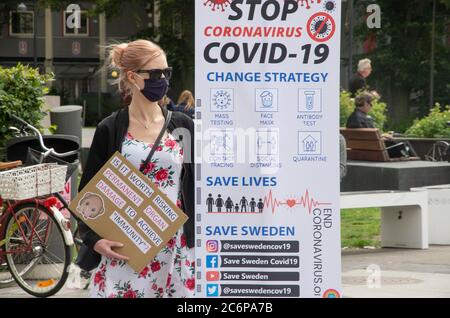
<point>123,205</point>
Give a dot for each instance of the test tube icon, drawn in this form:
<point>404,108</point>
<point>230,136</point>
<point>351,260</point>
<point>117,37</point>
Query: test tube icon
<point>309,99</point>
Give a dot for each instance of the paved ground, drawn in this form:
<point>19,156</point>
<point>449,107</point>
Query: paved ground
<point>397,273</point>
<point>367,273</point>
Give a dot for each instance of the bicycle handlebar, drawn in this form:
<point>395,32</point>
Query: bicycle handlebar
<point>41,140</point>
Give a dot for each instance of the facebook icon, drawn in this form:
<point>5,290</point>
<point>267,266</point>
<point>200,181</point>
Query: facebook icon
<point>212,261</point>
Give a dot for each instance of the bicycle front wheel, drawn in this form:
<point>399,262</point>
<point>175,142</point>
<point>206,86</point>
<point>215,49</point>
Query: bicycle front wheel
<point>37,255</point>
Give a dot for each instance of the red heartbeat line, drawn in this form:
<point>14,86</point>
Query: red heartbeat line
<point>305,201</point>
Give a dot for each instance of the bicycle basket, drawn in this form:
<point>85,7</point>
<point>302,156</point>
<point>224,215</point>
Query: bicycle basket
<point>33,181</point>
<point>34,157</point>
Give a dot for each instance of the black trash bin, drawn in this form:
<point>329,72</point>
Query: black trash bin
<point>17,149</point>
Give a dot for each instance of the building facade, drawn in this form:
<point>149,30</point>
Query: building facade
<point>74,50</point>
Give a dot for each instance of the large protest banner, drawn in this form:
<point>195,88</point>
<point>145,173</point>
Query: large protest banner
<point>267,197</point>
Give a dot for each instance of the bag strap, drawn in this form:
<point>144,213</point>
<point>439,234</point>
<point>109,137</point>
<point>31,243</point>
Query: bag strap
<point>157,141</point>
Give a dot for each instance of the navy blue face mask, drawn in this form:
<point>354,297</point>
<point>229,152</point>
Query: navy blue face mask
<point>155,90</point>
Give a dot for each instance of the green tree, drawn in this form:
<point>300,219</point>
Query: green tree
<point>176,37</point>
<point>401,59</point>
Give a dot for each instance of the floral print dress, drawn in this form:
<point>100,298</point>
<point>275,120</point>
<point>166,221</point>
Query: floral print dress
<point>171,272</point>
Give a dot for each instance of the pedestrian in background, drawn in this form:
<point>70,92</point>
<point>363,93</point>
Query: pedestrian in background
<point>167,102</point>
<point>358,82</point>
<point>186,104</point>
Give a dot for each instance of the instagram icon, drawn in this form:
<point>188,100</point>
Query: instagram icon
<point>212,246</point>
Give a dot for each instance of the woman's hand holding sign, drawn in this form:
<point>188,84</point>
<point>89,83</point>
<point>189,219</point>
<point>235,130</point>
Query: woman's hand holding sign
<point>104,247</point>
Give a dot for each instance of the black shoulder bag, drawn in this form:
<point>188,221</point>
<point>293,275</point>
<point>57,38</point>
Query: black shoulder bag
<point>157,141</point>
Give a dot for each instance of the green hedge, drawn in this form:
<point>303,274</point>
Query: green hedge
<point>22,91</point>
<point>434,125</point>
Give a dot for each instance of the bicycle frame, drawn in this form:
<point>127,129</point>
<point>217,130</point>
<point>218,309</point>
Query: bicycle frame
<point>43,203</point>
<point>10,210</point>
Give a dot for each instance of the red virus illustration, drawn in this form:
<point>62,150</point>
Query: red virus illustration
<point>217,4</point>
<point>308,3</point>
<point>305,200</point>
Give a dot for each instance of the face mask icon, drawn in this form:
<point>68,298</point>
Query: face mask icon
<point>266,99</point>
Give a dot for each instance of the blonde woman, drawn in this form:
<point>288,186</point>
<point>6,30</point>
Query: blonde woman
<point>144,75</point>
<point>186,104</point>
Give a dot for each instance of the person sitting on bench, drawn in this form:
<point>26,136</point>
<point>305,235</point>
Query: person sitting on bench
<point>361,119</point>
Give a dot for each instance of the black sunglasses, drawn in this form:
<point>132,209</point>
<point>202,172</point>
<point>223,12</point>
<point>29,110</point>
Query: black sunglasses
<point>156,74</point>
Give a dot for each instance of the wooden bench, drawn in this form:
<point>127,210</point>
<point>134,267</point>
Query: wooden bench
<point>367,144</point>
<point>404,215</point>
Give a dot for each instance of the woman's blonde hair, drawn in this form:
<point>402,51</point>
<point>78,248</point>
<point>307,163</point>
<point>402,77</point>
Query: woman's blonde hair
<point>131,56</point>
<point>186,98</point>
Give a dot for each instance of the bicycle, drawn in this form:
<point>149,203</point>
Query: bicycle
<point>438,152</point>
<point>35,238</point>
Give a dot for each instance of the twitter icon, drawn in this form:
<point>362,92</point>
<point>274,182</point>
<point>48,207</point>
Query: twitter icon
<point>212,290</point>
